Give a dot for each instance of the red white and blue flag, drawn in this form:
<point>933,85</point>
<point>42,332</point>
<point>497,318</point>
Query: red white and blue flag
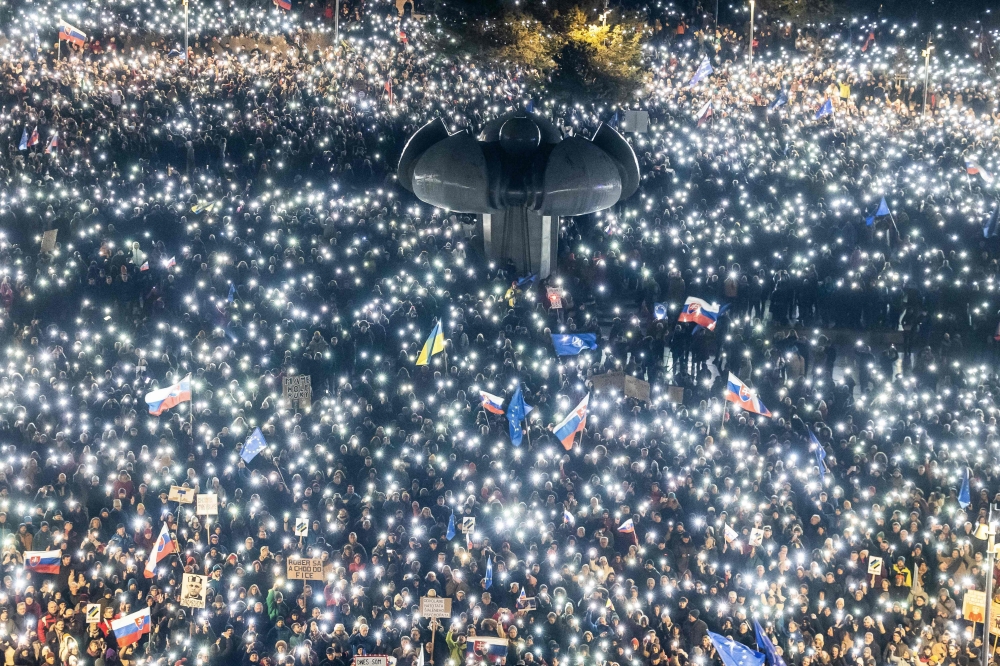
<point>972,168</point>
<point>284,4</point>
<point>53,144</point>
<point>131,628</point>
<point>42,561</point>
<point>740,393</point>
<point>574,422</point>
<point>70,34</point>
<point>491,403</point>
<point>700,312</point>
<point>486,648</point>
<point>163,399</point>
<point>164,546</point>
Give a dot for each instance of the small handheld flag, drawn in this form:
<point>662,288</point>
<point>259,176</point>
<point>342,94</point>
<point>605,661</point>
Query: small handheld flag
<point>488,583</point>
<point>972,168</point>
<point>517,411</point>
<point>964,497</point>
<point>24,140</point>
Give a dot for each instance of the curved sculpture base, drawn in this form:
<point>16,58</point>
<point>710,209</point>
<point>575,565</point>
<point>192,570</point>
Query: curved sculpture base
<point>526,238</point>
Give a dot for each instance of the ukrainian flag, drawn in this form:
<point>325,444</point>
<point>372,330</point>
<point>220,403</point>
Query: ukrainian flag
<point>434,345</point>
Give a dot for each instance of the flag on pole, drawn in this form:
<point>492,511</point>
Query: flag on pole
<point>764,644</point>
<point>164,546</point>
<point>53,144</point>
<point>739,393</point>
<point>820,454</point>
<point>574,422</point>
<point>160,400</point>
<point>491,403</point>
<point>68,33</point>
<point>255,444</point>
<point>33,141</point>
<point>450,534</point>
<point>704,69</point>
<point>517,411</point>
<point>964,497</point>
<point>701,312</point>
<point>972,168</point>
<point>434,345</point>
<point>825,110</point>
<point>24,139</point>
<point>705,113</point>
<point>488,583</point>
<point>735,654</point>
<point>779,101</point>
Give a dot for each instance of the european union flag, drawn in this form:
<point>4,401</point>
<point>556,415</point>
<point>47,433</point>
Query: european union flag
<point>765,645</point>
<point>779,101</point>
<point>735,654</point>
<point>24,139</point>
<point>964,498</point>
<point>824,110</point>
<point>517,411</point>
<point>704,69</point>
<point>571,344</point>
<point>232,292</point>
<point>820,453</point>
<point>489,573</point>
<point>450,534</point>
<point>660,311</point>
<point>254,445</point>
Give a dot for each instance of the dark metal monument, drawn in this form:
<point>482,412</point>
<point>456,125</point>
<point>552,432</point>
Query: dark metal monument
<point>520,176</point>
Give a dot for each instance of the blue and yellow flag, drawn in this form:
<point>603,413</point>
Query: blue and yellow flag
<point>434,345</point>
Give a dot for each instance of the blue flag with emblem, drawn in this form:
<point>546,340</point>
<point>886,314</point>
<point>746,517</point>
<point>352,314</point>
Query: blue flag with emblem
<point>517,411</point>
<point>254,445</point>
<point>24,139</point>
<point>764,644</point>
<point>779,101</point>
<point>489,573</point>
<point>825,110</point>
<point>883,208</point>
<point>571,344</point>
<point>450,534</point>
<point>735,654</point>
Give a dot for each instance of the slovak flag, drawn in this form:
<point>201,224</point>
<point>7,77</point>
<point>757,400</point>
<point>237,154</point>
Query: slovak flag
<point>972,168</point>
<point>573,423</point>
<point>492,403</point>
<point>284,4</point>
<point>144,267</point>
<point>164,546</point>
<point>705,113</point>
<point>53,144</point>
<point>700,312</point>
<point>42,561</point>
<point>170,263</point>
<point>33,141</point>
<point>740,393</point>
<point>131,628</point>
<point>70,34</point>
<point>628,527</point>
<point>163,399</point>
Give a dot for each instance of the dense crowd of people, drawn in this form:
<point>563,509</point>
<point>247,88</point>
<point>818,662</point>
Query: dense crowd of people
<point>236,218</point>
